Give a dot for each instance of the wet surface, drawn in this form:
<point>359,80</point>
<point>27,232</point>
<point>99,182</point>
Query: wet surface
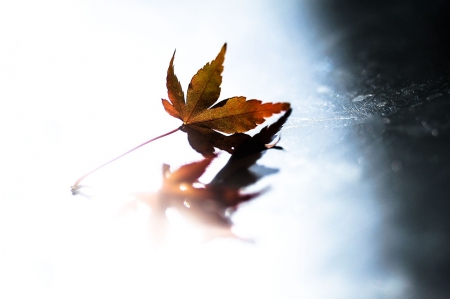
<point>356,206</point>
<point>390,63</point>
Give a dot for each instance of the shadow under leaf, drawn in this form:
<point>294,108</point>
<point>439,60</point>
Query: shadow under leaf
<point>211,205</point>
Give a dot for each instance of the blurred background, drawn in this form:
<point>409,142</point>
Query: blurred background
<point>358,207</point>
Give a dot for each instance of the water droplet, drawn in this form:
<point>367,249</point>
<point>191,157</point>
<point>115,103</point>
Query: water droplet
<point>396,165</point>
<point>361,97</point>
<point>426,125</point>
<point>433,96</point>
<point>435,132</point>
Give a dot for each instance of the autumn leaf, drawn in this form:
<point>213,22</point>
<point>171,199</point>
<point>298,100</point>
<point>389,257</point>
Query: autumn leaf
<point>203,118</point>
<point>209,124</point>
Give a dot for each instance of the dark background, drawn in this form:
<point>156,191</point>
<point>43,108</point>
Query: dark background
<point>397,52</point>
<point>359,207</point>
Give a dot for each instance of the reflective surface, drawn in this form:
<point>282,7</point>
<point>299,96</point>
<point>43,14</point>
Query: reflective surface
<point>357,209</point>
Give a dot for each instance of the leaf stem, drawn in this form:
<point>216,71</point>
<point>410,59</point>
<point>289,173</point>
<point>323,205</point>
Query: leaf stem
<point>76,185</point>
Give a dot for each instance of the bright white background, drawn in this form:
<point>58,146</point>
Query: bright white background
<point>81,81</point>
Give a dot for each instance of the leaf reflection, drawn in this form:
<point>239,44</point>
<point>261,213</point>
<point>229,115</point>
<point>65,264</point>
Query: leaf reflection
<point>210,206</point>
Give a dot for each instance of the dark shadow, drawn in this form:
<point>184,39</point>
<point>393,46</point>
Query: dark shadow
<point>398,53</point>
<point>211,205</point>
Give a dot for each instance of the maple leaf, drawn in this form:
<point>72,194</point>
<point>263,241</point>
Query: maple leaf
<point>209,124</point>
<point>203,118</point>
